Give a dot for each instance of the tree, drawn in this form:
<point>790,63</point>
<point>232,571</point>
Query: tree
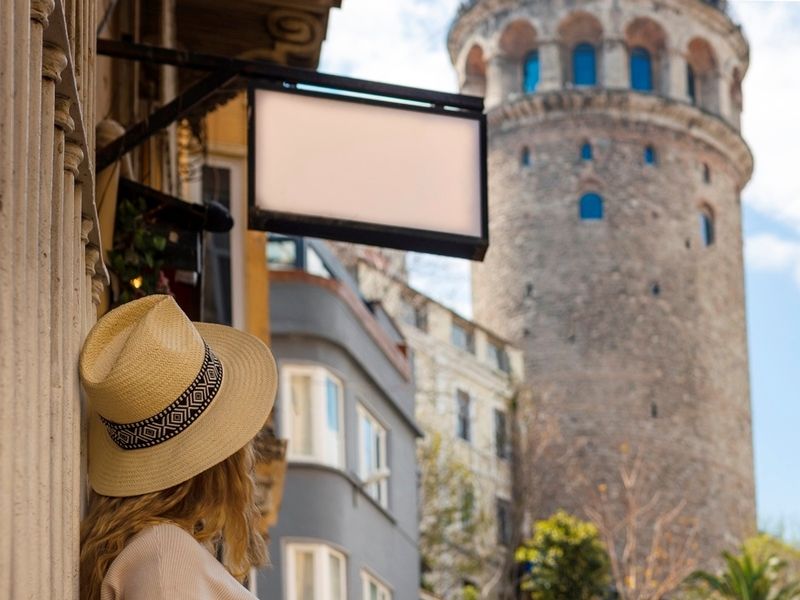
<point>650,544</point>
<point>453,526</point>
<point>565,559</point>
<point>746,578</point>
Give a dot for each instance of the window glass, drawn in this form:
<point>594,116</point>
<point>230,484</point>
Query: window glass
<point>649,155</point>
<point>467,506</point>
<point>498,357</point>
<point>335,568</point>
<point>586,151</point>
<point>525,157</point>
<point>690,84</point>
<point>314,264</point>
<point>641,70</point>
<point>462,337</point>
<point>530,77</point>
<point>706,227</point>
<point>312,403</point>
<point>282,254</point>
<point>500,434</point>
<point>591,207</point>
<point>373,463</point>
<point>304,575</point>
<point>216,305</point>
<point>584,69</point>
<point>374,589</point>
<point>463,421</point>
<point>503,522</point>
<point>301,436</point>
<point>315,572</point>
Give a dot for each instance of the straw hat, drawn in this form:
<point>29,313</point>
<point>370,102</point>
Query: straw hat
<point>169,398</point>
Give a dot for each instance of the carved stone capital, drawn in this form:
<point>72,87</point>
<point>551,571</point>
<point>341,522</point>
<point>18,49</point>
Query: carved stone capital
<point>97,289</point>
<point>41,9</point>
<point>92,256</point>
<point>73,157</point>
<point>87,223</point>
<point>62,117</point>
<point>54,61</point>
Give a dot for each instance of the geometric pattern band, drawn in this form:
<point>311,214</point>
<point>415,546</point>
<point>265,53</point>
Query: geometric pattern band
<point>177,416</point>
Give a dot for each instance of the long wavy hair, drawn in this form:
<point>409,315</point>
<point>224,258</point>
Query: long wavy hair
<point>217,507</point>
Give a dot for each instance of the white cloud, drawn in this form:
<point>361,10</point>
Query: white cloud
<point>769,252</point>
<point>771,121</point>
<point>401,42</point>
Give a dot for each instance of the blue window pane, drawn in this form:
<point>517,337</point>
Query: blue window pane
<point>586,151</point>
<point>332,394</point>
<point>706,228</point>
<point>584,71</point>
<point>650,155</point>
<point>525,159</point>
<point>690,84</point>
<point>530,78</point>
<point>641,70</point>
<point>591,207</point>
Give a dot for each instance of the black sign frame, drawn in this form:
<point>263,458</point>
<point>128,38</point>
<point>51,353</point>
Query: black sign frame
<point>389,96</point>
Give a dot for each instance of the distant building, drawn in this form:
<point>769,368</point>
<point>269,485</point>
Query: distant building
<point>616,164</point>
<point>347,527</point>
<point>466,379</point>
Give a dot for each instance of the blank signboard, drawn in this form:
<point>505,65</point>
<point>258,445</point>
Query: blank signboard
<point>398,171</point>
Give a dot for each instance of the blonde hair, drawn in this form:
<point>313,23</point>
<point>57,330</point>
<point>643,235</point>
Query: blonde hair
<point>217,507</point>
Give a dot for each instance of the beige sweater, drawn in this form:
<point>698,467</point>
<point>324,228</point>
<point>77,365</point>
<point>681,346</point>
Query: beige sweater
<point>165,562</point>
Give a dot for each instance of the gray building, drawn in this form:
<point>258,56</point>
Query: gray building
<point>348,521</point>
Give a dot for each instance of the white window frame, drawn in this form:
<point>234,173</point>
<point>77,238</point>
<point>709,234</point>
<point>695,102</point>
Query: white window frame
<point>321,569</point>
<point>384,592</point>
<point>319,376</point>
<point>378,479</point>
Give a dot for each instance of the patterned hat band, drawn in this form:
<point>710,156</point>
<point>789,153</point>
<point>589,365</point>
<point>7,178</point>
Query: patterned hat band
<point>177,416</point>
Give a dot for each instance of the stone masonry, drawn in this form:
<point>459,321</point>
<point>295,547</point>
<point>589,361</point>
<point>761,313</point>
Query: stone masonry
<point>632,327</point>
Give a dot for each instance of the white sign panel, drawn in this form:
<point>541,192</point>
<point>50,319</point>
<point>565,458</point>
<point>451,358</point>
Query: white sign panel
<point>413,178</point>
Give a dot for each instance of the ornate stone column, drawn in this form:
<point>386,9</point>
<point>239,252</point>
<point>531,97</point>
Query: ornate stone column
<point>614,64</point>
<point>550,69</point>
<point>677,87</point>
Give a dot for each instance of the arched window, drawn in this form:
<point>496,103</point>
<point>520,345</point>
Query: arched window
<point>584,67</point>
<point>706,173</point>
<point>525,157</point>
<point>641,70</point>
<point>586,151</point>
<point>690,88</point>
<point>649,155</point>
<point>706,226</point>
<point>530,75</point>
<point>591,207</point>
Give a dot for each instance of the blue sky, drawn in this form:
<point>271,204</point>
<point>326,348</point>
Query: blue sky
<point>403,42</point>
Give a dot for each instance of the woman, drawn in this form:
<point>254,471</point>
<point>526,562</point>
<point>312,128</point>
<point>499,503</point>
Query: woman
<point>174,407</point>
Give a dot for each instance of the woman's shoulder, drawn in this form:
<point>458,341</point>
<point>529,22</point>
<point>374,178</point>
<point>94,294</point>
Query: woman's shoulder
<point>165,561</point>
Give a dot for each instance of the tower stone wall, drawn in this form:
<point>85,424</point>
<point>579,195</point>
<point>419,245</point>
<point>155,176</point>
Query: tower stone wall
<point>632,325</point>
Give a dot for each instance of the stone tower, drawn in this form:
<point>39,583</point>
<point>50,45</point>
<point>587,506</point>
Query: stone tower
<point>615,171</point>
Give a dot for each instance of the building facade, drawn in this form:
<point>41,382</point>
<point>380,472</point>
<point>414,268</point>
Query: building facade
<point>467,380</point>
<point>347,527</point>
<point>59,103</point>
<point>615,170</point>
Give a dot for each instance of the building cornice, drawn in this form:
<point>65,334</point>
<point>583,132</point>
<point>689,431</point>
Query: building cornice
<point>474,13</point>
<point>679,117</point>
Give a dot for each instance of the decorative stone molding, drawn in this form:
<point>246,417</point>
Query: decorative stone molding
<point>63,119</point>
<point>657,110</point>
<point>41,11</point>
<point>73,157</point>
<point>54,61</point>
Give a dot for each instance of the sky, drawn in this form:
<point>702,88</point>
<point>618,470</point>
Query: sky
<point>403,42</point>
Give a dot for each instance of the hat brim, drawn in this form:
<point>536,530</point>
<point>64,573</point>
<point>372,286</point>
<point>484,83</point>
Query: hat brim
<point>237,413</point>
